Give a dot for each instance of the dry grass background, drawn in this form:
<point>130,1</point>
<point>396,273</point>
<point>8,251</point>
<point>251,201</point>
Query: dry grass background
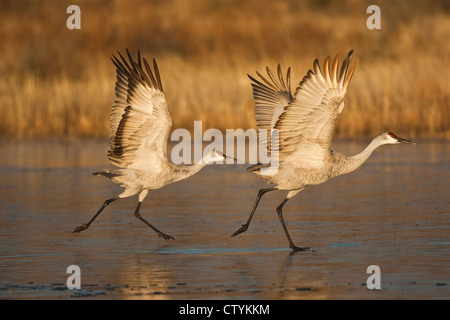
<point>57,82</point>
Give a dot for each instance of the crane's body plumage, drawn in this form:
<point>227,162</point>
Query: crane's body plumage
<point>137,180</point>
<point>301,126</point>
<point>290,176</point>
<point>140,124</point>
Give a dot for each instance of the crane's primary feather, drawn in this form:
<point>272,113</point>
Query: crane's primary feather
<point>140,118</point>
<point>305,121</point>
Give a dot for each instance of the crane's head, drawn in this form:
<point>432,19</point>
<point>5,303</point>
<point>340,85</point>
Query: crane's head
<point>391,138</point>
<point>214,157</point>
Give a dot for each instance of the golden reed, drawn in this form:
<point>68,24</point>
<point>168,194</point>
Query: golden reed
<point>60,83</point>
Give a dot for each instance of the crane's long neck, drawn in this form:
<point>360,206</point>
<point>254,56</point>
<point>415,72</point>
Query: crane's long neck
<point>349,164</point>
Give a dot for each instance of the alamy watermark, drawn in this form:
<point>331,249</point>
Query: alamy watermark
<point>74,280</point>
<point>189,150</point>
<point>74,20</point>
<point>374,20</point>
<point>374,280</point>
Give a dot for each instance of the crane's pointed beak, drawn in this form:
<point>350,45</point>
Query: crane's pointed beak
<point>401,140</point>
<point>225,156</point>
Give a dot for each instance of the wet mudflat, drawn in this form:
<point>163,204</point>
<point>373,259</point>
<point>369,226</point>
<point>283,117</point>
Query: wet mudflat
<point>393,212</point>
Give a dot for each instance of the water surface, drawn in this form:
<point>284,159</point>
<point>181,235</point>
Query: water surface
<point>393,212</point>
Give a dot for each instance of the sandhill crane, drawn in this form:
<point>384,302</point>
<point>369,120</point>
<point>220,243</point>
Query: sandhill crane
<point>305,122</point>
<point>139,127</point>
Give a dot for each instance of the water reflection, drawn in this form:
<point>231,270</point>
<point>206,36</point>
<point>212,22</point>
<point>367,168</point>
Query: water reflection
<point>394,212</point>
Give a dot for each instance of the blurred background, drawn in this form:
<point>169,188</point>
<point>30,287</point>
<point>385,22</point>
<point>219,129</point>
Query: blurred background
<point>58,82</point>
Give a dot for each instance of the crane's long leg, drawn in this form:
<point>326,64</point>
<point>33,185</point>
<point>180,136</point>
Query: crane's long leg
<point>161,234</point>
<point>86,225</point>
<point>244,227</point>
<point>280,216</point>
<point>142,195</point>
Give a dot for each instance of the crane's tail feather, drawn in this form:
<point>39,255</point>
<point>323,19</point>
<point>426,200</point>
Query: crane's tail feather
<point>107,174</point>
<point>257,167</point>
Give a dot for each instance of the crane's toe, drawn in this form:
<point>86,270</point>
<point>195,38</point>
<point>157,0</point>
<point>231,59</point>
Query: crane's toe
<point>298,249</point>
<point>165,236</point>
<point>243,228</point>
<point>80,228</point>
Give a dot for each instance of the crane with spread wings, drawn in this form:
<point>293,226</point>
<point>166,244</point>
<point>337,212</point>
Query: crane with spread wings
<point>140,124</point>
<point>304,123</point>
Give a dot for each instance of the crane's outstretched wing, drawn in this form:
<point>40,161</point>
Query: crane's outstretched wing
<point>271,98</point>
<point>307,124</point>
<point>140,118</point>
<point>306,121</point>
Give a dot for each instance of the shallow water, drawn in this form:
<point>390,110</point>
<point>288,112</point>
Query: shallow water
<point>393,212</point>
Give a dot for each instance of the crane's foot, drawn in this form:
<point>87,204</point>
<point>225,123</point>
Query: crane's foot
<point>165,236</point>
<point>243,228</point>
<point>298,249</point>
<point>80,228</point>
